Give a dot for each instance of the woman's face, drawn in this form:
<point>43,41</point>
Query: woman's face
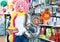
<point>21,8</point>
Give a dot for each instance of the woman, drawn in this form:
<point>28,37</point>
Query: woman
<point>17,26</point>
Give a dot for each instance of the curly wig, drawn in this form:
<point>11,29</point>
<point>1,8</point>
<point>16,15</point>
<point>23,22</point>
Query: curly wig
<point>22,3</point>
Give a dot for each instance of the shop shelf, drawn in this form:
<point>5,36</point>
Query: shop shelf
<point>46,39</point>
<point>42,25</point>
<point>56,16</point>
<point>50,26</point>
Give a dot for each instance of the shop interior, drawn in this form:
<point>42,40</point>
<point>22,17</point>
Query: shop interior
<point>44,20</point>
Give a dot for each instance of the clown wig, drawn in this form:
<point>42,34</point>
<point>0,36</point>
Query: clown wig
<point>22,3</point>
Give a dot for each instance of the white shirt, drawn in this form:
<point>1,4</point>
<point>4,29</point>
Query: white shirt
<point>19,24</point>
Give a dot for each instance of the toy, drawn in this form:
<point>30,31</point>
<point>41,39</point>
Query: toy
<point>21,8</point>
<point>45,16</point>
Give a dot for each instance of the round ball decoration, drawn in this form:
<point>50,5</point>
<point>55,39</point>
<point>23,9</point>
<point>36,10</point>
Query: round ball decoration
<point>3,3</point>
<point>4,10</point>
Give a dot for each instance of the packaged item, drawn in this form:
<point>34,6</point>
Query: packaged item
<point>53,32</point>
<point>43,30</point>
<point>50,22</point>
<point>54,10</point>
<point>58,22</point>
<point>48,32</point>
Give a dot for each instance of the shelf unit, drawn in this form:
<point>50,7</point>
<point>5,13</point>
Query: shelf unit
<point>49,26</point>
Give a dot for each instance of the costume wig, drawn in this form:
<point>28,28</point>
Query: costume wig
<point>22,3</point>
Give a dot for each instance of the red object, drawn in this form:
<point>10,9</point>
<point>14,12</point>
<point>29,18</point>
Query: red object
<point>59,36</point>
<point>14,26</point>
<point>1,14</point>
<point>12,9</point>
<point>56,35</point>
<point>51,38</point>
<point>58,3</point>
<point>56,39</point>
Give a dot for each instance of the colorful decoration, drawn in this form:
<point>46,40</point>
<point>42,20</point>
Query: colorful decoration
<point>3,3</point>
<point>46,16</point>
<point>4,10</point>
<point>23,4</point>
<point>10,6</point>
<point>14,1</point>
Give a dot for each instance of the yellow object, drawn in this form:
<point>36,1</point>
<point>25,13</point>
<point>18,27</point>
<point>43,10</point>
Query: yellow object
<point>10,6</point>
<point>42,36</point>
<point>11,27</point>
<point>11,38</point>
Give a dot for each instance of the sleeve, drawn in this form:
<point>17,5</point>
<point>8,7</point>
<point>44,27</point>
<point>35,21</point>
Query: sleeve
<point>28,19</point>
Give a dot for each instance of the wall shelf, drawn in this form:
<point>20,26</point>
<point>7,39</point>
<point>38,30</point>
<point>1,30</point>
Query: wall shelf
<point>46,39</point>
<point>50,26</point>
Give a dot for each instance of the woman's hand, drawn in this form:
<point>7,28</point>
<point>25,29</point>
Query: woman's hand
<point>10,31</point>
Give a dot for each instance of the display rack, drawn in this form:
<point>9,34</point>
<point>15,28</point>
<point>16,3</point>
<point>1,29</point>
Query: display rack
<point>49,26</point>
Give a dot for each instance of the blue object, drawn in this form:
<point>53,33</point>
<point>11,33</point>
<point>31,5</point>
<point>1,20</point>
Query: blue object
<point>21,39</point>
<point>34,0</point>
<point>32,30</point>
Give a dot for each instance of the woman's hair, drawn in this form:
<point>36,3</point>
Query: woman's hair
<point>22,3</point>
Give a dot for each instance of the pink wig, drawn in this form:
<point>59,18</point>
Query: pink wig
<point>23,3</point>
<point>28,1</point>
